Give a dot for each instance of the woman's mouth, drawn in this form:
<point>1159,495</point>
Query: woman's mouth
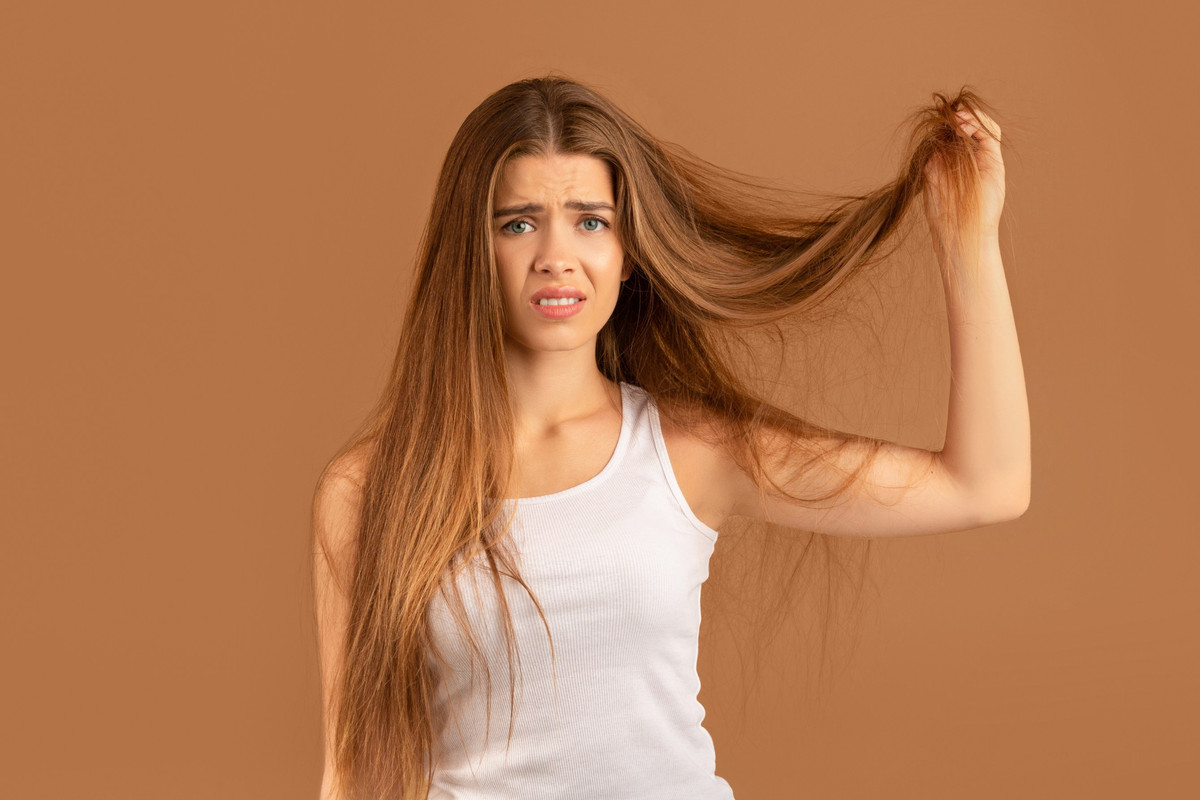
<point>558,307</point>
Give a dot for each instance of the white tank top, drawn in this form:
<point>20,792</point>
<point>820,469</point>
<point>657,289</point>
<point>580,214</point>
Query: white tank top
<point>617,563</point>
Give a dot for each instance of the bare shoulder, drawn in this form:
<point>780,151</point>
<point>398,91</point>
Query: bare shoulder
<point>711,481</point>
<point>348,468</point>
<point>336,506</point>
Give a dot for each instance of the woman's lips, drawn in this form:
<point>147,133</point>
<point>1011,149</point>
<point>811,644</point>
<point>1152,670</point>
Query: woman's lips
<point>559,312</point>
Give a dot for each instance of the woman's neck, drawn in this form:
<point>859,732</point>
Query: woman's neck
<point>549,388</point>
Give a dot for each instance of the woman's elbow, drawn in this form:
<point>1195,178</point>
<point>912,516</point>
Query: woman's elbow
<point>1006,501</point>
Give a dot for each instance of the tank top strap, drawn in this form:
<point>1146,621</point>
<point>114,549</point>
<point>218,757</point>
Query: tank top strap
<point>648,449</point>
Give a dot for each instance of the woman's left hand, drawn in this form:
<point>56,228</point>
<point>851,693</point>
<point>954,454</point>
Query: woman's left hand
<point>991,173</point>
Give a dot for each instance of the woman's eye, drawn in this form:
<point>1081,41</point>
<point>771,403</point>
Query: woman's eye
<point>592,224</point>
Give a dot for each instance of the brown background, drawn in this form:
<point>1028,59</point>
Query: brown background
<point>209,216</point>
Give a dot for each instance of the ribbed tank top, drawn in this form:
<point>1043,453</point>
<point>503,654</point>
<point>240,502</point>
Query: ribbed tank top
<point>617,563</point>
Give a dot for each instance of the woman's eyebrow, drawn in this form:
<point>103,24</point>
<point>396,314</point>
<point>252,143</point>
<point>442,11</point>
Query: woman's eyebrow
<point>536,208</point>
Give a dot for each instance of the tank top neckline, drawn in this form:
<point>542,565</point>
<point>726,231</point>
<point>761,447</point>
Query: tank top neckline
<point>614,461</point>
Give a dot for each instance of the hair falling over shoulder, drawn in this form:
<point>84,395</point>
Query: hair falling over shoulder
<point>714,254</point>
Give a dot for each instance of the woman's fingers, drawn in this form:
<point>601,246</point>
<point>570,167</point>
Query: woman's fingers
<point>985,132</point>
<point>971,123</point>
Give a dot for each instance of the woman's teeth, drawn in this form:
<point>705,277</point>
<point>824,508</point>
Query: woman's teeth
<point>557,301</point>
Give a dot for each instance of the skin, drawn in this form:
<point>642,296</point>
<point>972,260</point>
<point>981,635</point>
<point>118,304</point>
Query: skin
<point>568,415</point>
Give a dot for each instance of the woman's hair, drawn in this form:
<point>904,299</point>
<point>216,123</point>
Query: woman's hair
<point>713,253</point>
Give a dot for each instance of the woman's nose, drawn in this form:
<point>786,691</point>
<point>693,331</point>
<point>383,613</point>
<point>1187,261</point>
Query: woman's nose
<point>555,253</point>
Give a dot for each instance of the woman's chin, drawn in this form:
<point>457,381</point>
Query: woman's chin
<point>552,342</point>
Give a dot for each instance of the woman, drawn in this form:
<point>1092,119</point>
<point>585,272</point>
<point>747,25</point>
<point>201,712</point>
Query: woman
<point>539,490</point>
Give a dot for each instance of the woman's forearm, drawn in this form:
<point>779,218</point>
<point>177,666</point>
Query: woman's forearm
<point>987,445</point>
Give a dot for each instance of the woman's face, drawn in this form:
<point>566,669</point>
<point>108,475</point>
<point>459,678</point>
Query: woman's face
<point>554,232</point>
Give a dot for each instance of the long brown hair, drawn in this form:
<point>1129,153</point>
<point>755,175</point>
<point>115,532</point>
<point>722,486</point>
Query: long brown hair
<point>713,253</point>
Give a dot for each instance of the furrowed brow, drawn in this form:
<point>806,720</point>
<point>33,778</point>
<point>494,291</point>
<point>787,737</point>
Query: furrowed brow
<point>536,208</point>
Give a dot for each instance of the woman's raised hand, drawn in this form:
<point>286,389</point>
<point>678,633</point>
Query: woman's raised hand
<point>985,133</point>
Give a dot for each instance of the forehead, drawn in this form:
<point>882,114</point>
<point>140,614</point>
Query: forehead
<point>555,177</point>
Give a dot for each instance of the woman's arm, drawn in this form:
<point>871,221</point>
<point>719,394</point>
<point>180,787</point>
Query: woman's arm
<point>982,473</point>
<point>987,446</point>
<point>335,514</point>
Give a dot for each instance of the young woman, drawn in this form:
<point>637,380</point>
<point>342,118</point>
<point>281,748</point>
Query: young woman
<point>528,515</point>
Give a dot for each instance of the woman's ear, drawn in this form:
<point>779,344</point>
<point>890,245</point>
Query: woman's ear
<point>626,270</point>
